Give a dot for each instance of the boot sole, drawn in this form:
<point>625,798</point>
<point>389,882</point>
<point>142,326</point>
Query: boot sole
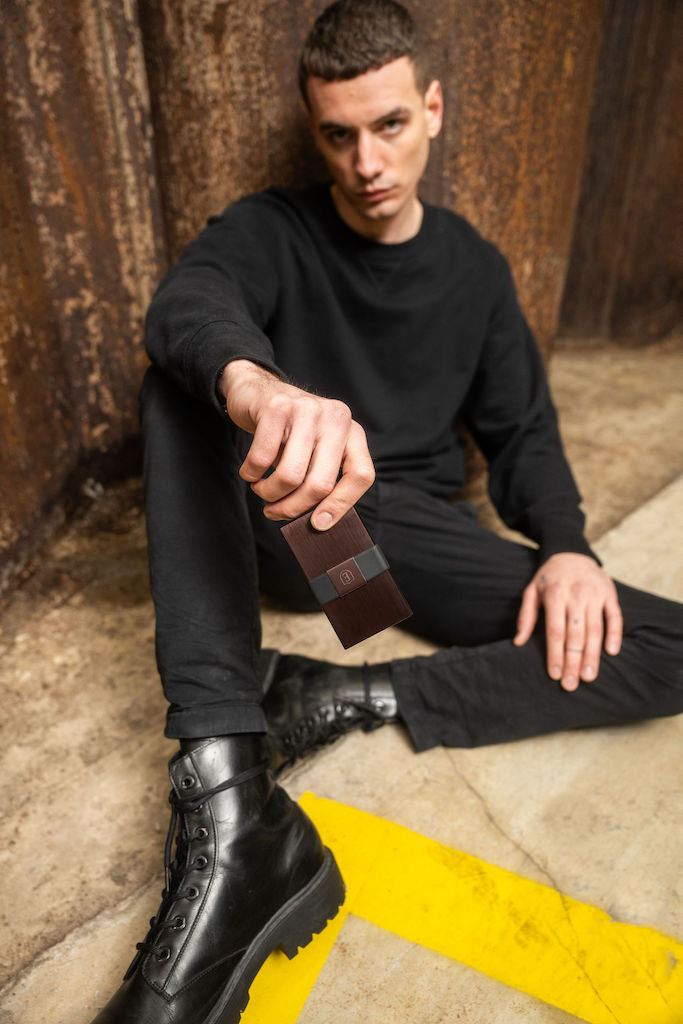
<point>304,915</point>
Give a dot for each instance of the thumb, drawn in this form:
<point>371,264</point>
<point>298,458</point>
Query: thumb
<point>322,519</point>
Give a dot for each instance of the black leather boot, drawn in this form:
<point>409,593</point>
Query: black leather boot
<point>309,703</point>
<point>249,874</point>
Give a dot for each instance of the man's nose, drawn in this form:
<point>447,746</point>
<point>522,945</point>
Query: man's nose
<point>368,156</point>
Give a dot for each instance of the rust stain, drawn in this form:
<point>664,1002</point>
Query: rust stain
<point>217,26</point>
<point>69,172</point>
<point>85,242</point>
<point>82,247</point>
<point>627,262</point>
<point>72,173</point>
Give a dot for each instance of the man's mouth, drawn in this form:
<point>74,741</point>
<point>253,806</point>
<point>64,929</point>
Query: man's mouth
<point>374,195</point>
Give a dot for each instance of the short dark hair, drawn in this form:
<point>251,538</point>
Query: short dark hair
<point>351,37</point>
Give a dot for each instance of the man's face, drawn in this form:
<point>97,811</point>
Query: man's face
<point>373,132</point>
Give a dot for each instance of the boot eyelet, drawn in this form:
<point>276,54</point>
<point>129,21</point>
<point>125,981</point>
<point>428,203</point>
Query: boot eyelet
<point>201,833</point>
<point>379,704</point>
<point>187,782</point>
<point>178,923</point>
<point>163,954</point>
<point>201,861</point>
<point>192,893</point>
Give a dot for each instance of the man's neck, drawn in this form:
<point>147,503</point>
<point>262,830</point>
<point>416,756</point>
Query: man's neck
<point>389,230</point>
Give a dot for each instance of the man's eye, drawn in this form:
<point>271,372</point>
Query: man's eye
<point>392,127</point>
<point>337,136</point>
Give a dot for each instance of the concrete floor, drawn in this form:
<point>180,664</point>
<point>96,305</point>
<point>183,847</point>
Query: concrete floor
<point>594,815</point>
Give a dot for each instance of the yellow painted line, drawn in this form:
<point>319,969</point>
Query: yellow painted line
<point>282,986</point>
<point>527,935</point>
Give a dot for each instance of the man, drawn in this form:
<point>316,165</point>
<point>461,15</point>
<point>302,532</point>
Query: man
<point>341,329</point>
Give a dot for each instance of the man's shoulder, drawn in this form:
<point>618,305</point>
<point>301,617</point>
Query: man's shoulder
<point>277,204</point>
<point>461,244</point>
<point>453,225</point>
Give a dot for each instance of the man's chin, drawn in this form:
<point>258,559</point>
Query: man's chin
<point>382,209</point>
<point>370,218</point>
<point>385,205</point>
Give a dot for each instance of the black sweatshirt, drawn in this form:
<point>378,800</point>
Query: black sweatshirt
<point>408,335</point>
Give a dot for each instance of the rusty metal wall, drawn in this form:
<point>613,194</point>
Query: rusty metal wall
<point>80,251</point>
<point>518,79</point>
<point>518,83</point>
<point>125,123</point>
<point>624,281</point>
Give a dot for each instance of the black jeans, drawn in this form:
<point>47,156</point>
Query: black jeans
<point>210,548</point>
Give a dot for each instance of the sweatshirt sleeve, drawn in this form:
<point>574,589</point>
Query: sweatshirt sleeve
<point>214,305</point>
<point>511,416</point>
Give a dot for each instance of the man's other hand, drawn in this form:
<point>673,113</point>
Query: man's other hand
<point>581,606</point>
<point>306,440</point>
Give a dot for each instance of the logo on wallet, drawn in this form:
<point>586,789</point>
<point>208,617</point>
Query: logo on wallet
<point>346,577</point>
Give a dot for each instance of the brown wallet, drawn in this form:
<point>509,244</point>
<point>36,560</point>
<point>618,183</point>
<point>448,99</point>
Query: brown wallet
<point>349,575</point>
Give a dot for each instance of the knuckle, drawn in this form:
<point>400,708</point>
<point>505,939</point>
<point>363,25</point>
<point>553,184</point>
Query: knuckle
<point>339,411</point>
<point>258,461</point>
<point>289,477</point>
<point>319,489</point>
<point>279,402</point>
<point>304,400</point>
<point>556,634</point>
<point>366,476</point>
<point>361,479</point>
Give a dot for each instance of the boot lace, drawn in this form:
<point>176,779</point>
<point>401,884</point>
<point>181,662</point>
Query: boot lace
<point>325,725</point>
<point>175,868</point>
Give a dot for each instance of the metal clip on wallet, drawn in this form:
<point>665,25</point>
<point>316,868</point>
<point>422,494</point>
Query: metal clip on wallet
<point>349,575</point>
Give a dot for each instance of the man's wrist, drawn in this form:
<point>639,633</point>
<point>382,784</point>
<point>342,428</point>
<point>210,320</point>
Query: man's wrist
<point>236,372</point>
<point>563,543</point>
<point>232,373</point>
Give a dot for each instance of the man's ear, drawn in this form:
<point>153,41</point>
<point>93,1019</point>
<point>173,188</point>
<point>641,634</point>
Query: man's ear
<point>433,101</point>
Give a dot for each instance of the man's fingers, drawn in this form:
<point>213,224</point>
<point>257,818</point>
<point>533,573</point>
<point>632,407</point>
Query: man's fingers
<point>342,444</point>
<point>344,496</point>
<point>291,465</point>
<point>581,608</point>
<point>329,459</point>
<point>264,451</point>
<point>593,642</point>
<point>301,441</point>
<point>575,645</point>
<point>358,474</point>
<point>528,614</point>
<point>602,620</point>
<point>556,635</point>
<point>615,624</point>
